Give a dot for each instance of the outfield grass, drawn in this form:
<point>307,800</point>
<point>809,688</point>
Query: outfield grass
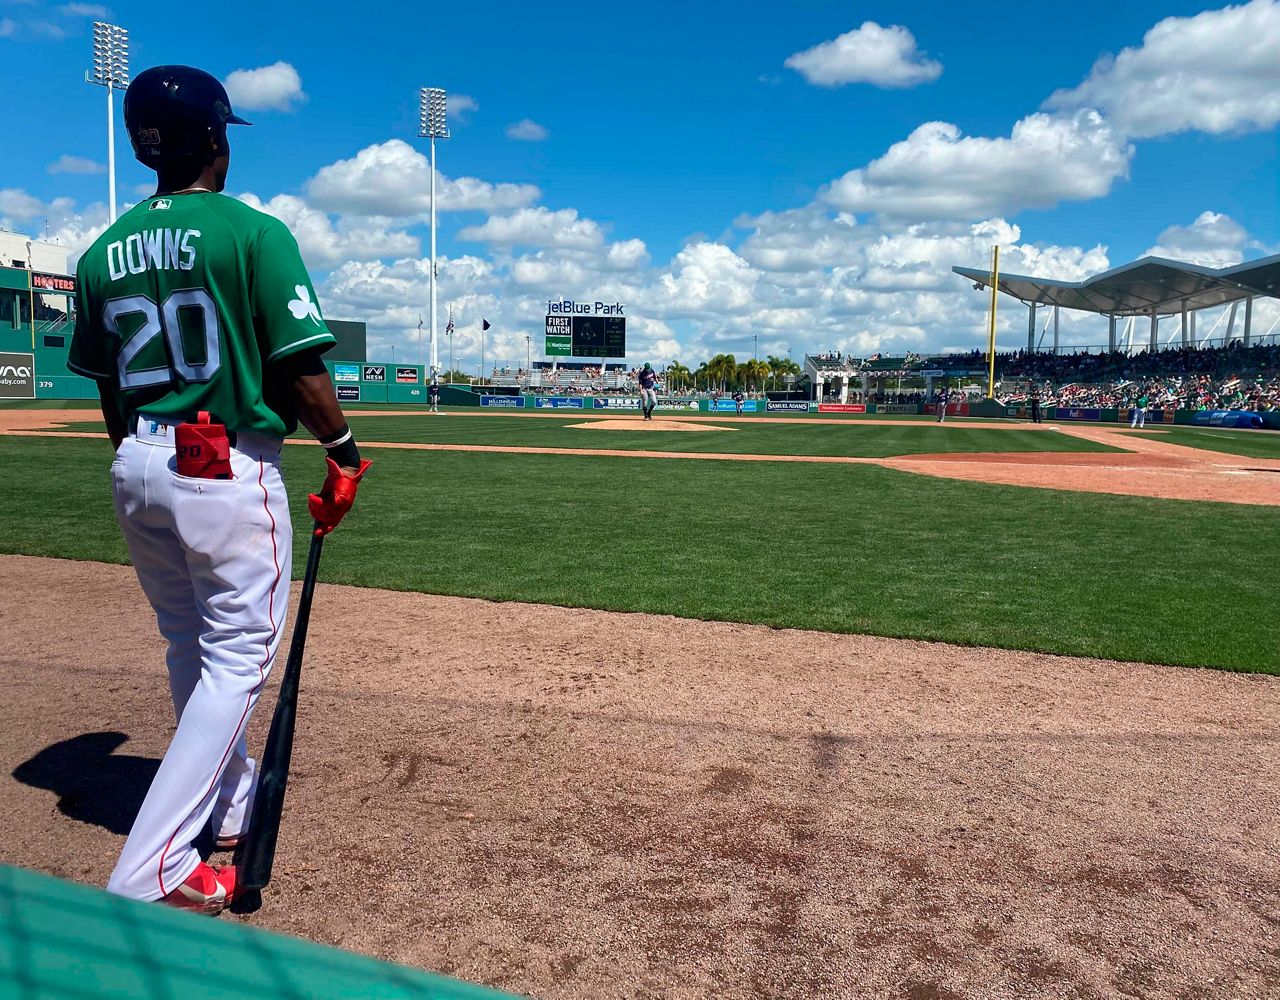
<point>758,438</point>
<point>836,548</point>
<point>1250,443</point>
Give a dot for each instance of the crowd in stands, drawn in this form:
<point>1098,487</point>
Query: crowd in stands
<point>1171,392</point>
<point>1221,378</point>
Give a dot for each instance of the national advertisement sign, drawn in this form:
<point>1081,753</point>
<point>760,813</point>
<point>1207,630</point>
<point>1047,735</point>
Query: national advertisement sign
<point>559,403</point>
<point>842,407</point>
<point>17,376</point>
<point>348,393</point>
<point>616,403</point>
<point>729,406</point>
<point>678,404</point>
<point>375,373</point>
<point>509,401</point>
<point>787,406</point>
<point>1078,413</point>
<point>1205,418</point>
<point>408,375</point>
<point>896,408</point>
<point>346,373</point>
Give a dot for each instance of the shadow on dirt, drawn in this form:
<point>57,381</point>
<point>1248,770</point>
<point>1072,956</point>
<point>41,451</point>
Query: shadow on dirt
<point>93,783</point>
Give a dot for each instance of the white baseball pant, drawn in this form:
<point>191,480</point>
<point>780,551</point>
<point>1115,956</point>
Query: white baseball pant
<point>213,557</point>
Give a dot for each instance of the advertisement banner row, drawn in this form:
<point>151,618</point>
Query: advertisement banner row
<point>842,407</point>
<point>18,376</point>
<point>349,372</point>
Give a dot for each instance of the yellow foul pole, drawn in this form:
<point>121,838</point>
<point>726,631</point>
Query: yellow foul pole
<point>991,335</point>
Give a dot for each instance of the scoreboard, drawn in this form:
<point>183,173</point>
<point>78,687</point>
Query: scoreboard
<point>586,336</point>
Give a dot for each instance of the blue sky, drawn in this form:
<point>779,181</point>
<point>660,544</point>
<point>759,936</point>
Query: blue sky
<point>725,170</point>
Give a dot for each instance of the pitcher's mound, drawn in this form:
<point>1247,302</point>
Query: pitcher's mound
<point>657,424</point>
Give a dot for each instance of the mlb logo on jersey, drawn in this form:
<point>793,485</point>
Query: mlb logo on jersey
<point>161,204</point>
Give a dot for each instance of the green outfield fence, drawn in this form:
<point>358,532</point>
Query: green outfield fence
<point>62,940</point>
<point>395,384</point>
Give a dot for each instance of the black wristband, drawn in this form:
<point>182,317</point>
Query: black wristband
<point>342,449</point>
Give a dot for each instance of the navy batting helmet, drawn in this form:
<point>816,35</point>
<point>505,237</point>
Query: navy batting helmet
<point>171,112</point>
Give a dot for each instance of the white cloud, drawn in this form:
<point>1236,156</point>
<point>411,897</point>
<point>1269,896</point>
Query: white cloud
<point>538,227</point>
<point>324,245</point>
<point>707,278</point>
<point>17,205</point>
<point>393,179</point>
<point>885,57</point>
<point>73,227</point>
<point>1213,239</point>
<point>627,255</point>
<point>47,29</point>
<point>527,130</point>
<point>66,164</point>
<point>277,87</point>
<point>1215,72</point>
<point>936,173</point>
<point>85,10</point>
<point>460,106</point>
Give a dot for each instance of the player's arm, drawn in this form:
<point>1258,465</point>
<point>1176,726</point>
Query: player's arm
<point>116,429</point>
<point>319,411</point>
<point>291,337</point>
<point>87,357</point>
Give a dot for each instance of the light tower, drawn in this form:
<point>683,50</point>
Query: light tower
<point>432,126</point>
<point>110,70</point>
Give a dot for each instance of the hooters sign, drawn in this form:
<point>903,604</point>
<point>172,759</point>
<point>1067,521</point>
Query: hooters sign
<point>53,282</point>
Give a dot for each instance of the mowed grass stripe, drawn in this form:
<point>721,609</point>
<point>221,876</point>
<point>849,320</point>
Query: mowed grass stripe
<point>1249,443</point>
<point>835,548</point>
<point>746,437</point>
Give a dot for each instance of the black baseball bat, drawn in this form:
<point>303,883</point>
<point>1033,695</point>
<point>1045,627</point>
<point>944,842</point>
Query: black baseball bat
<point>258,851</point>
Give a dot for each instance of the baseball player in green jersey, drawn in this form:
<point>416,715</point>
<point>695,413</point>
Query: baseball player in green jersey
<point>197,319</point>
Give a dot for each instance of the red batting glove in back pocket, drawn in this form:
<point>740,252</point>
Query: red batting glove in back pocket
<point>204,451</point>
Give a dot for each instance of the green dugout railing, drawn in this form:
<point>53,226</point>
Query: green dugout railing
<point>62,940</point>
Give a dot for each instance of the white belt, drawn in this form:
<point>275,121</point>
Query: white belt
<point>154,431</point>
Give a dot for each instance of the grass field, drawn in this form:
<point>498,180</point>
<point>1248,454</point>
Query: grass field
<point>1250,443</point>
<point>844,549</point>
<point>867,440</point>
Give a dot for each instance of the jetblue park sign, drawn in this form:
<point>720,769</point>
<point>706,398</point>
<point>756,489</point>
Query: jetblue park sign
<point>567,307</point>
<point>586,329</point>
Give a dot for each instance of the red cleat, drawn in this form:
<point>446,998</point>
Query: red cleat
<point>207,890</point>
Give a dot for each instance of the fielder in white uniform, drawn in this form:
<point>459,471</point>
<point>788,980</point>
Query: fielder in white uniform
<point>198,322</point>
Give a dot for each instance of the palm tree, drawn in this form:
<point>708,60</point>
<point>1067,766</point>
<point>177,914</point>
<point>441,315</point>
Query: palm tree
<point>723,368</point>
<point>782,366</point>
<point>677,374</point>
<point>753,373</point>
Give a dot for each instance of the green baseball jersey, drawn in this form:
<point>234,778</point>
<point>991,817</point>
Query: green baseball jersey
<point>184,304</point>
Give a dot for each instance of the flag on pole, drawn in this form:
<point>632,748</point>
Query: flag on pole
<point>485,324</point>
<point>449,326</point>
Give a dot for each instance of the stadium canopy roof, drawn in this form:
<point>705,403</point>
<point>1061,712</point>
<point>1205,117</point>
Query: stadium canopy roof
<point>1152,284</point>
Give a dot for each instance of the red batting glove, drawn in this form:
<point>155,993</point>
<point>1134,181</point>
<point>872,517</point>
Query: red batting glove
<point>330,505</point>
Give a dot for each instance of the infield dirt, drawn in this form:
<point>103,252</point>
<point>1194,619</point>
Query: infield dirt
<point>572,804</point>
<point>1147,467</point>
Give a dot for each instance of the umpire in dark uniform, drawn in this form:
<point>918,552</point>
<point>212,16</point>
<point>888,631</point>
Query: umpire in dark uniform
<point>1035,406</point>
